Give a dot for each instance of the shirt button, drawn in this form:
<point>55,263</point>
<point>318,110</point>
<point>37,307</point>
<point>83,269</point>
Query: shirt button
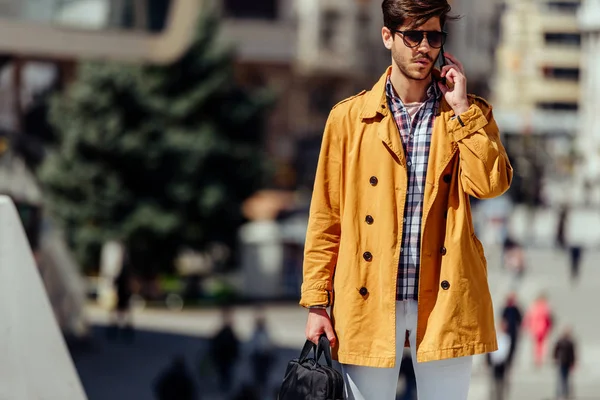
<point>404,220</point>
<point>409,163</point>
<point>401,249</point>
<point>411,136</point>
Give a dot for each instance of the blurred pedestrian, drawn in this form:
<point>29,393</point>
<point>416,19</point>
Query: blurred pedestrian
<point>498,363</point>
<point>574,250</point>
<point>224,351</point>
<point>565,359</point>
<point>175,383</point>
<point>575,253</point>
<point>561,234</point>
<point>514,261</point>
<point>514,318</point>
<point>122,319</point>
<point>538,322</point>
<point>261,353</point>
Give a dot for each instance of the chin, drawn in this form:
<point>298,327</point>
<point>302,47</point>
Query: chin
<point>420,76</point>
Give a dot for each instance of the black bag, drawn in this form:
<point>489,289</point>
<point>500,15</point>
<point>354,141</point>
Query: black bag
<point>306,379</point>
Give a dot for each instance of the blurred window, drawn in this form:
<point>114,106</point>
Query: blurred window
<point>256,9</point>
<point>563,7</point>
<point>563,39</point>
<point>329,28</point>
<point>567,74</point>
<point>558,106</point>
<point>151,15</point>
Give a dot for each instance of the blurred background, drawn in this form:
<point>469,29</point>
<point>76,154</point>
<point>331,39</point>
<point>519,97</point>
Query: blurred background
<point>161,155</point>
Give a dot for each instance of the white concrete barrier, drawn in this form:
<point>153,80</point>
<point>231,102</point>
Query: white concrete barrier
<point>35,362</point>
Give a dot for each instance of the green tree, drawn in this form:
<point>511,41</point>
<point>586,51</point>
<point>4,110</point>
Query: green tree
<point>159,157</point>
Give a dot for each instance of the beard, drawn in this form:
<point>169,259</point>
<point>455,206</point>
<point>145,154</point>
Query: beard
<point>409,70</point>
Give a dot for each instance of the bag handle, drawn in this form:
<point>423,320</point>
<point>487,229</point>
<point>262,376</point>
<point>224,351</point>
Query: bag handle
<point>324,348</point>
<point>308,346</point>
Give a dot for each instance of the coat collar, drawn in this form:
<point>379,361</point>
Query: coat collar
<point>376,101</point>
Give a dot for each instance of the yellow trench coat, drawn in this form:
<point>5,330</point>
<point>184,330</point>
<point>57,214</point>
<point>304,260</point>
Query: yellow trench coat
<point>362,172</point>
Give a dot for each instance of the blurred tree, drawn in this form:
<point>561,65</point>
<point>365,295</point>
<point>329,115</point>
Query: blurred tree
<point>159,157</point>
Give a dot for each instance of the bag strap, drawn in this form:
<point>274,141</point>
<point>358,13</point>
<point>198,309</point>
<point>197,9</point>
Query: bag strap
<point>324,348</point>
<point>308,346</point>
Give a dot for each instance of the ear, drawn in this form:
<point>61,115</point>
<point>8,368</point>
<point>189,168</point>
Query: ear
<point>388,37</point>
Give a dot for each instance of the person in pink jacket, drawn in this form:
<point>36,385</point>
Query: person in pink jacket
<point>538,322</point>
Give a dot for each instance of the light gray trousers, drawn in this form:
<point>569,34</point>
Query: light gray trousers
<point>436,380</point>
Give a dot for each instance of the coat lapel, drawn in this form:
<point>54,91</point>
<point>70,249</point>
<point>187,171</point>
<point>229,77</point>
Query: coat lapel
<point>376,110</point>
<point>389,135</point>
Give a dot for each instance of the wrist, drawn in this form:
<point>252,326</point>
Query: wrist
<point>461,108</point>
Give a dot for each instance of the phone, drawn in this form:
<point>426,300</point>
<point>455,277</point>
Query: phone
<point>436,72</point>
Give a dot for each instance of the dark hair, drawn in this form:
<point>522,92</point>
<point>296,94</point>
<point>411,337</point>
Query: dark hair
<point>396,12</point>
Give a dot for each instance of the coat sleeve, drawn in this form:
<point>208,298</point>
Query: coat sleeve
<point>323,233</point>
<point>485,169</point>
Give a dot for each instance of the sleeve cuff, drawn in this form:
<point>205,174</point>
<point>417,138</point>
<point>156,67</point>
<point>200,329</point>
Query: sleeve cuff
<point>316,297</point>
<point>472,121</point>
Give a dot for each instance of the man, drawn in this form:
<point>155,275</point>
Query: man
<point>390,244</point>
<point>565,358</point>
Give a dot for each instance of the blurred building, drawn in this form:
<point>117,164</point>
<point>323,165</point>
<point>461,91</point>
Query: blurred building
<point>473,40</point>
<point>538,61</point>
<point>589,134</point>
<point>313,53</point>
<point>536,93</point>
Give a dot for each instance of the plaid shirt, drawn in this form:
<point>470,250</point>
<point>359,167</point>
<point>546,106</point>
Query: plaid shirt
<point>416,140</point>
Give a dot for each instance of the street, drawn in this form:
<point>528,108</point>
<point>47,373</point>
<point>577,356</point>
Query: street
<point>116,370</point>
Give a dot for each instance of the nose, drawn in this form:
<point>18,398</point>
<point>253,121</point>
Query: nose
<point>424,45</point>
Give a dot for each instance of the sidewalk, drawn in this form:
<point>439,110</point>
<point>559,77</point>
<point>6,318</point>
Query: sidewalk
<point>572,305</point>
<point>546,271</point>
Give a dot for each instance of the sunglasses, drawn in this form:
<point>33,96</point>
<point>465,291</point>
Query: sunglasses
<point>412,39</point>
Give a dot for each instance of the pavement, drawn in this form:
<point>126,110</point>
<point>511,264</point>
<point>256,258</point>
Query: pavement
<point>117,370</point>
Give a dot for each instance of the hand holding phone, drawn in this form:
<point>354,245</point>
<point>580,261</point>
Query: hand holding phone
<point>454,88</point>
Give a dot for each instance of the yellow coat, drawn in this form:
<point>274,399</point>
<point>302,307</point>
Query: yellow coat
<point>362,172</point>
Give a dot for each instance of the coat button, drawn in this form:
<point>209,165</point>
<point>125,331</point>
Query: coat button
<point>447,178</point>
<point>369,220</point>
<point>443,251</point>
<point>445,285</point>
<point>367,256</point>
<point>373,181</point>
<point>363,291</point>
